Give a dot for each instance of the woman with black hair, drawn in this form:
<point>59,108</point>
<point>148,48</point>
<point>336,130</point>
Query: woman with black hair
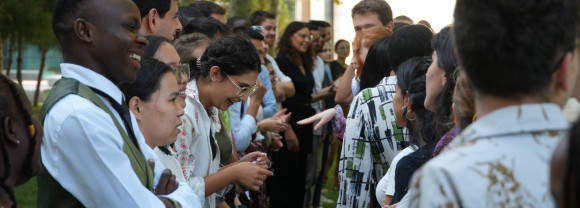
<point>342,50</point>
<point>296,60</point>
<point>20,138</point>
<point>152,98</point>
<point>441,81</point>
<point>376,65</point>
<point>226,73</point>
<point>160,48</point>
<point>411,113</point>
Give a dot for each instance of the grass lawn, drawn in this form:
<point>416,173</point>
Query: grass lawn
<point>26,194</point>
<point>330,193</point>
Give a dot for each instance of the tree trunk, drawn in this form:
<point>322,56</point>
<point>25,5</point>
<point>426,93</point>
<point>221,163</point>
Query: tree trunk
<point>19,62</point>
<point>39,78</point>
<point>2,55</point>
<point>241,8</point>
<point>10,50</point>
<point>274,6</point>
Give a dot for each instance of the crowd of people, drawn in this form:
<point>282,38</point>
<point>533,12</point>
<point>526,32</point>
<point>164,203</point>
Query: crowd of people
<point>163,105</point>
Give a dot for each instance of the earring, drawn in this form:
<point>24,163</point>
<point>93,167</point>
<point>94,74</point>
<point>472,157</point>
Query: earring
<point>139,116</point>
<point>407,115</point>
<point>404,108</point>
<point>17,142</point>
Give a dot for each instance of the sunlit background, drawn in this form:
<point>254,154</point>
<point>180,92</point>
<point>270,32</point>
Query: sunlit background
<point>438,13</point>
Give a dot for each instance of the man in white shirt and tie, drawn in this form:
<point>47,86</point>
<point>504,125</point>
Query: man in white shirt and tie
<point>93,153</point>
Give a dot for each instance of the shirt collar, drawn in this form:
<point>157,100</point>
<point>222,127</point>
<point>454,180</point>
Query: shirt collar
<point>517,119</point>
<point>191,90</point>
<point>92,79</point>
<point>388,80</point>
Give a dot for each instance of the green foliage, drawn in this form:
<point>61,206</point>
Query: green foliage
<point>27,21</point>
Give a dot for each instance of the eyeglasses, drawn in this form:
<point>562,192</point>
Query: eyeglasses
<point>184,68</point>
<point>243,91</point>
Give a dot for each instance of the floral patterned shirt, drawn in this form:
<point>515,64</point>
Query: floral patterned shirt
<point>371,141</point>
<point>501,160</point>
<point>193,144</point>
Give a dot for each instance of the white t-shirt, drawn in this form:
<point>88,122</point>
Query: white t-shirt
<point>387,184</point>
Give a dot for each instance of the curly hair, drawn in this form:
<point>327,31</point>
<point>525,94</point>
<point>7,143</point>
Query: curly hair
<point>234,55</point>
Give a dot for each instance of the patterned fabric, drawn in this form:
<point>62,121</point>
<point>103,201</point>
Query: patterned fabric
<point>339,122</point>
<point>445,140</point>
<point>500,160</point>
<point>194,144</point>
<point>371,141</point>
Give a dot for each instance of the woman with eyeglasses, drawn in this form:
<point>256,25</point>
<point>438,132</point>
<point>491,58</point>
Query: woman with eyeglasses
<point>296,60</point>
<point>160,48</point>
<point>226,73</point>
<point>20,138</point>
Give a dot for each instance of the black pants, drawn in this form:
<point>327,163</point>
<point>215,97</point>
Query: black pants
<point>287,184</point>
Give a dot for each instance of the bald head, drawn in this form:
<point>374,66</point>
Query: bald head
<point>101,35</point>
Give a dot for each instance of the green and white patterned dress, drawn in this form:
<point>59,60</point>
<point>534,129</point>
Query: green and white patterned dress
<point>371,141</point>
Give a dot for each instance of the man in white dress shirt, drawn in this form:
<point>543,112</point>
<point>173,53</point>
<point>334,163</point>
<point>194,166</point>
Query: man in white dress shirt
<point>517,57</point>
<point>285,87</point>
<point>94,154</point>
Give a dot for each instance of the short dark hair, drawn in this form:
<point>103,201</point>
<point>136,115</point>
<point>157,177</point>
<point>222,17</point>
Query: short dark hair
<point>153,45</point>
<point>338,42</point>
<point>207,8</point>
<point>234,22</point>
<point>313,26</point>
<point>403,18</point>
<point>407,42</point>
<point>443,47</point>
<point>320,23</point>
<point>207,26</point>
<point>185,44</point>
<point>399,25</point>
<point>510,49</point>
<point>257,17</point>
<point>162,6</point>
<point>187,14</point>
<point>233,54</point>
<point>63,17</point>
<point>376,66</point>
<point>380,7</point>
<point>411,80</point>
<point>248,33</point>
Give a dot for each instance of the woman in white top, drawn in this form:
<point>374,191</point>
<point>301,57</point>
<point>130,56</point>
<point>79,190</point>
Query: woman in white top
<point>225,74</point>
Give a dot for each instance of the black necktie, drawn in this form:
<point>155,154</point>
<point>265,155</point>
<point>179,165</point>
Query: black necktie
<point>123,110</point>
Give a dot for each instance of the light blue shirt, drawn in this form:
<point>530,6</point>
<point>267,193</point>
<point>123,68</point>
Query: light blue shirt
<point>83,151</point>
<point>268,101</point>
<point>242,126</point>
